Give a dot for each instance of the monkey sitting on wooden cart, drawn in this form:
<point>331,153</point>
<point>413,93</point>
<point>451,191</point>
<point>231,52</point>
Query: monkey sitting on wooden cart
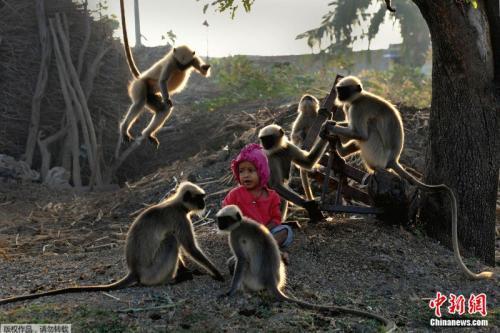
<point>374,130</point>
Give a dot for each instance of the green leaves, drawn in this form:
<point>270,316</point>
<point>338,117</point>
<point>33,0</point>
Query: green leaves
<point>399,84</point>
<point>241,80</point>
<point>229,5</point>
<point>473,2</point>
<point>346,21</point>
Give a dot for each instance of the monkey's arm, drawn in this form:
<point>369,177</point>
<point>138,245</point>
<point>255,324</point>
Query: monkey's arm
<point>187,241</point>
<point>356,129</point>
<point>200,66</point>
<point>348,133</point>
<point>311,206</point>
<point>165,74</point>
<point>238,270</point>
<point>288,194</point>
<point>305,159</point>
<point>276,182</point>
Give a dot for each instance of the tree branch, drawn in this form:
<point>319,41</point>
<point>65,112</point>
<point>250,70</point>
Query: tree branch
<point>63,79</point>
<point>41,82</point>
<point>88,84</point>
<point>87,119</point>
<point>44,144</point>
<point>86,40</point>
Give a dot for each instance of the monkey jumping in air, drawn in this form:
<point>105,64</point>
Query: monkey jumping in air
<point>153,87</point>
<point>375,131</point>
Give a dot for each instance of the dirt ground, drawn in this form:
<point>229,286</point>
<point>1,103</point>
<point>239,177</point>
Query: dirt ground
<point>55,238</point>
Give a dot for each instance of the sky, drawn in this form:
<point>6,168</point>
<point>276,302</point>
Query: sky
<point>269,28</point>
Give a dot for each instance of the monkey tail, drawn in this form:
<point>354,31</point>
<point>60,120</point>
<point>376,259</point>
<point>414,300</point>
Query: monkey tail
<point>390,326</point>
<point>403,173</point>
<point>124,282</point>
<point>389,6</point>
<point>128,52</point>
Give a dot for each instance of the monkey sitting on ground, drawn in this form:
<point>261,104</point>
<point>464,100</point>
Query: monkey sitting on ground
<point>153,245</point>
<point>280,154</point>
<point>154,86</point>
<point>375,130</point>
<point>259,265</point>
<point>307,114</point>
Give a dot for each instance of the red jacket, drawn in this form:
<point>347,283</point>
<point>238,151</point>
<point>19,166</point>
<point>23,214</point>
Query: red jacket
<point>262,210</point>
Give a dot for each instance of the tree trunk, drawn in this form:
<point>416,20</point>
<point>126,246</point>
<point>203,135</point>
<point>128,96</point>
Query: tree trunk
<point>41,82</point>
<point>44,144</point>
<point>81,104</point>
<point>463,126</point>
<point>86,40</point>
<point>70,116</point>
<point>93,69</point>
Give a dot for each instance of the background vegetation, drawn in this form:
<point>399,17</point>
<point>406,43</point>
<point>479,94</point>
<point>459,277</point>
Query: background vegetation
<point>239,79</point>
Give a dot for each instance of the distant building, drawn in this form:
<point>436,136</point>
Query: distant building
<point>383,59</point>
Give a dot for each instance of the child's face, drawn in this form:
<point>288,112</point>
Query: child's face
<point>249,178</point>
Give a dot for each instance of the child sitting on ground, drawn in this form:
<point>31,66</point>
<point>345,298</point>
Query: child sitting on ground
<point>254,198</point>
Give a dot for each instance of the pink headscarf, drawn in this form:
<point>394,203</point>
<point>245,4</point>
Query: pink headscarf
<point>254,154</point>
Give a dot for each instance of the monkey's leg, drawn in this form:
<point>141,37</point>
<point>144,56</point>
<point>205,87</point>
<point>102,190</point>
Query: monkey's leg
<point>306,184</point>
<point>159,118</point>
<point>138,91</point>
<point>183,273</point>
<point>133,113</point>
<point>164,265</point>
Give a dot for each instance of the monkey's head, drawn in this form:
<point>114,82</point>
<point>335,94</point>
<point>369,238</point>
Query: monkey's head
<point>309,104</point>
<point>183,56</point>
<point>191,196</point>
<point>229,218</point>
<point>348,90</point>
<point>272,138</point>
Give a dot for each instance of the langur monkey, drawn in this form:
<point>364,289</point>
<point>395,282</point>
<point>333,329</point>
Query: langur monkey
<point>259,265</point>
<point>375,130</point>
<point>307,114</point>
<point>153,87</point>
<point>280,155</point>
<point>153,245</point>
